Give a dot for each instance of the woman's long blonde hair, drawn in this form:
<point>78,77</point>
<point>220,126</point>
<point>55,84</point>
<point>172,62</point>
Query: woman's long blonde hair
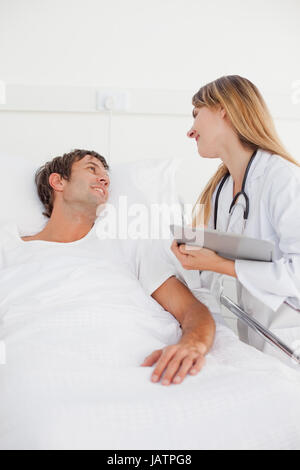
<point>250,118</point>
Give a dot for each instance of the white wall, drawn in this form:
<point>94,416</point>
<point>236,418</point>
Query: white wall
<point>150,45</point>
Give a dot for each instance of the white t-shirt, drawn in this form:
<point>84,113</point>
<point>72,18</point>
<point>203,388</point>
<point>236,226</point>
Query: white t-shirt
<point>147,261</point>
<point>154,262</point>
<point>66,292</point>
<point>151,261</point>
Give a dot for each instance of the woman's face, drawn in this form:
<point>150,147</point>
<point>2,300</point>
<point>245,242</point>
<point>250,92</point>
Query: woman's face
<point>210,130</point>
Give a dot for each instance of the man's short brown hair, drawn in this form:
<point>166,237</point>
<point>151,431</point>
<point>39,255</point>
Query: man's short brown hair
<point>62,166</point>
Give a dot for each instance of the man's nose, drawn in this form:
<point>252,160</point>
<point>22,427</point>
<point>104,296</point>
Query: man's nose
<point>103,180</point>
<point>191,133</point>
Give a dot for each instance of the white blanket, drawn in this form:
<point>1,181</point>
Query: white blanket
<point>77,324</point>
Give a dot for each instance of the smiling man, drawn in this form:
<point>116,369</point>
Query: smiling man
<point>66,264</point>
<point>71,188</point>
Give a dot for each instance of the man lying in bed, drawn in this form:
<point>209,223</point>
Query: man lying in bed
<point>66,274</point>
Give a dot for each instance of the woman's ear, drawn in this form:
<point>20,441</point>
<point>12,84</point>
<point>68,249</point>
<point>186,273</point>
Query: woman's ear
<point>56,182</point>
<point>223,113</point>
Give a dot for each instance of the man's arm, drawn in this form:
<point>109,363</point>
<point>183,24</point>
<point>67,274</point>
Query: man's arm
<point>198,331</point>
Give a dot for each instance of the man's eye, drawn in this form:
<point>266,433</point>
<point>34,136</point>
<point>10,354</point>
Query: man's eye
<point>92,167</point>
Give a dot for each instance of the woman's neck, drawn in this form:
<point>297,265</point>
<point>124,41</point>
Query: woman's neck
<point>236,159</point>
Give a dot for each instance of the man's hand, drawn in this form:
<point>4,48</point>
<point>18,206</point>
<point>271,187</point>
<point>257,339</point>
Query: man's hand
<point>176,362</point>
<point>198,331</point>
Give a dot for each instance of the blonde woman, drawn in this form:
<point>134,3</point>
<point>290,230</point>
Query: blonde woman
<point>255,191</point>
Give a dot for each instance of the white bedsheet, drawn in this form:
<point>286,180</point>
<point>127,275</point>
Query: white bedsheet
<point>73,380</point>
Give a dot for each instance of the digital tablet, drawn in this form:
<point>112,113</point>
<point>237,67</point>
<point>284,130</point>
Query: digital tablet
<point>228,245</point>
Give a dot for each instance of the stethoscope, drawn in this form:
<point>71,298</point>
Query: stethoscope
<point>242,192</point>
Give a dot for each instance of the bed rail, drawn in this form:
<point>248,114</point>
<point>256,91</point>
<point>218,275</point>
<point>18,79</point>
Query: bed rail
<point>266,334</point>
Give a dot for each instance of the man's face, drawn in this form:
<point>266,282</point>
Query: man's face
<point>89,183</point>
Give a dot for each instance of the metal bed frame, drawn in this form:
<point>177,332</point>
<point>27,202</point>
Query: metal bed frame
<point>266,334</point>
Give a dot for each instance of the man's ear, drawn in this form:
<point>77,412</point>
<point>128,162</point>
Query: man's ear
<point>56,182</point>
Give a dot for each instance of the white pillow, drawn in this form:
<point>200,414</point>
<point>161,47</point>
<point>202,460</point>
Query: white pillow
<point>19,199</point>
<point>155,179</point>
<point>144,181</point>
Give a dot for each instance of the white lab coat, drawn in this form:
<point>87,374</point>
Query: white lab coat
<point>270,292</point>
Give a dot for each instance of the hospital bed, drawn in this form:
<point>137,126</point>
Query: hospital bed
<point>59,395</point>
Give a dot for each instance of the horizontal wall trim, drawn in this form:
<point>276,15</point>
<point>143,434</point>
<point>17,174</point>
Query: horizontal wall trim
<point>81,99</point>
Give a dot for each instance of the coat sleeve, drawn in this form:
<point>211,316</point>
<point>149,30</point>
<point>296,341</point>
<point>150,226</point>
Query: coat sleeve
<point>279,281</point>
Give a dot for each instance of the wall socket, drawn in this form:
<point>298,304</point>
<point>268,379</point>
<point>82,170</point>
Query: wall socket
<point>113,100</point>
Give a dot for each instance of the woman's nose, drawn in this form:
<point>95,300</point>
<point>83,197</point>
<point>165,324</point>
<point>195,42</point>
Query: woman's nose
<point>191,133</point>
